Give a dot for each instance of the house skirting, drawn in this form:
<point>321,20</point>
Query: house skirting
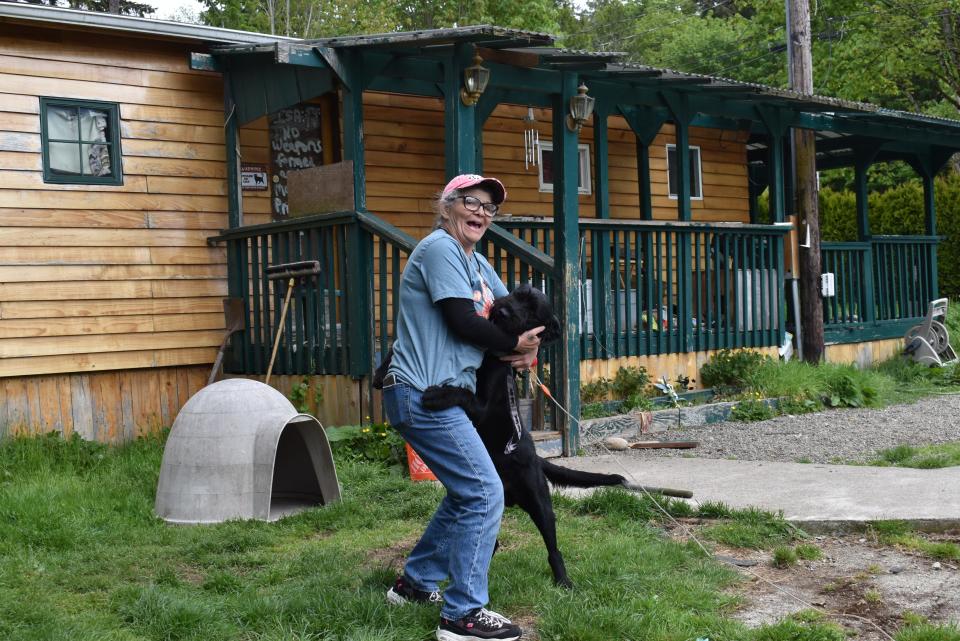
<point>863,354</point>
<point>671,366</point>
<point>112,406</point>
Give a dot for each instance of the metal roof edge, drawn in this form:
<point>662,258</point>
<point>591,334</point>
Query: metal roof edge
<point>420,35</point>
<point>113,22</point>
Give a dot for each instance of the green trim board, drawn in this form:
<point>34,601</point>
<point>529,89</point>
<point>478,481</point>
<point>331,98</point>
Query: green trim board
<point>864,333</point>
<point>88,128</point>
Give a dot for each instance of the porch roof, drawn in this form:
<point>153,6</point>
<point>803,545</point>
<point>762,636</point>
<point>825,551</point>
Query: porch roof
<point>525,68</point>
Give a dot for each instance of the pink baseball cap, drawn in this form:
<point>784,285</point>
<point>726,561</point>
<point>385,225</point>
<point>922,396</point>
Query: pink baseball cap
<point>465,181</point>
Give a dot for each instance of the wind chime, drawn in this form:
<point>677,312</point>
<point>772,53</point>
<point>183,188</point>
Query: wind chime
<point>531,140</point>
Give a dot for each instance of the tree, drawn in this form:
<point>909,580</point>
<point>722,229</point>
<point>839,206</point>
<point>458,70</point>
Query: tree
<point>326,18</point>
<point>123,7</point>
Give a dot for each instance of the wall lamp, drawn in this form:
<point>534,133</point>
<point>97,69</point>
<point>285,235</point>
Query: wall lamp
<point>581,108</point>
<point>475,79</point>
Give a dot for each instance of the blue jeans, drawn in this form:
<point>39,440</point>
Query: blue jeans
<point>458,543</point>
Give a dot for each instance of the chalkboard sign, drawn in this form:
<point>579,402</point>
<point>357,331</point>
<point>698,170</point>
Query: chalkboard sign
<point>295,143</point>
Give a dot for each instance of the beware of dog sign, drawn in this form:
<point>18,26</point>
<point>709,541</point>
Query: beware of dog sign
<point>253,177</point>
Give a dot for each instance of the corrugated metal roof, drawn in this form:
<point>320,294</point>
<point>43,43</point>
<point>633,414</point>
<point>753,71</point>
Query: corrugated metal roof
<point>112,22</point>
<point>481,35</point>
<point>814,101</point>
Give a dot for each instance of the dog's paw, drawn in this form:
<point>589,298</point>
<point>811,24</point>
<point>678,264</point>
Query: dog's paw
<point>564,582</point>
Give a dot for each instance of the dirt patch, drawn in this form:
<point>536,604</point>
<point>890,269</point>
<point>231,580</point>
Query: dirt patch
<point>859,583</point>
<point>393,556</point>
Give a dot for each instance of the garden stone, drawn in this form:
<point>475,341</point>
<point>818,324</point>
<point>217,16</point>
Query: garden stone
<point>616,443</point>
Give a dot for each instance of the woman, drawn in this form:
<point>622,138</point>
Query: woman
<point>442,332</point>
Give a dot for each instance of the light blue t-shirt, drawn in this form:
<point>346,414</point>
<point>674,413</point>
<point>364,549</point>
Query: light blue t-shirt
<point>425,351</point>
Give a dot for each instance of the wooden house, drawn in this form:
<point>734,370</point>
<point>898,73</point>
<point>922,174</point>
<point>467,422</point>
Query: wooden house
<point>229,152</point>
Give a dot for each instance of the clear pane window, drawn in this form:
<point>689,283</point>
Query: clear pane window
<point>673,178</point>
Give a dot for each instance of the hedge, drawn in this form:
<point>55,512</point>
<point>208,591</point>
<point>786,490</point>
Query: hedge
<point>899,211</point>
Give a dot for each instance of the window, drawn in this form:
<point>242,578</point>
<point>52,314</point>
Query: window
<point>546,167</point>
<point>81,142</point>
<point>696,184</point>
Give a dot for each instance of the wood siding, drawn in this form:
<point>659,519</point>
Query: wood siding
<point>105,406</point>
<point>403,142</point>
<point>97,278</point>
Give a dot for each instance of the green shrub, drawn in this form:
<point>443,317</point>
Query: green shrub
<point>808,552</point>
<point>377,443</point>
<point>750,410</point>
<point>838,216</point>
<point>732,369</point>
<point>784,556</point>
<point>594,391</point>
<point>629,381</point>
<point>847,386</point>
<point>636,402</point>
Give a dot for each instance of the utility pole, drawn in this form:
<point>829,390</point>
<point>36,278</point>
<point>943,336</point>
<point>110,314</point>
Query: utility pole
<point>800,61</point>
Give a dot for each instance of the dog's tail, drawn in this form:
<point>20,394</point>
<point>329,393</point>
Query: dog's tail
<point>567,477</point>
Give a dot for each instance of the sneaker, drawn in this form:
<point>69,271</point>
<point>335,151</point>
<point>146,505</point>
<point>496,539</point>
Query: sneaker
<point>478,625</point>
<point>402,592</point>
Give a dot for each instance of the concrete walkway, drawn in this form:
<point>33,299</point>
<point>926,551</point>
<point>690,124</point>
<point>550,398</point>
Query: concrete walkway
<point>813,496</point>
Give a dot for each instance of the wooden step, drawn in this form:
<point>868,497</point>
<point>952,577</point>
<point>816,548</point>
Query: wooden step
<point>549,443</point>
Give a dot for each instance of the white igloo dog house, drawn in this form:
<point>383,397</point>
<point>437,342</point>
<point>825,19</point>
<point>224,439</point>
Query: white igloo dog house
<point>239,450</point>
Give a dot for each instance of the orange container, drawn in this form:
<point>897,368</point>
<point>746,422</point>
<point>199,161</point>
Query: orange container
<point>418,469</point>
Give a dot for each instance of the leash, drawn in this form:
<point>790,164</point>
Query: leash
<point>689,533</point>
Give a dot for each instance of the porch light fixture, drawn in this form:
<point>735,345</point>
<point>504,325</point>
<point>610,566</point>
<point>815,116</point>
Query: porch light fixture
<point>581,108</point>
<point>475,79</point>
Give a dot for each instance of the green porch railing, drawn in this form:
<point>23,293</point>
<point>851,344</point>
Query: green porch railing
<point>882,286</point>
<point>650,287</point>
<point>849,263</point>
<point>337,318</point>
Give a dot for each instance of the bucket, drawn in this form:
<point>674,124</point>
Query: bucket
<point>418,469</point>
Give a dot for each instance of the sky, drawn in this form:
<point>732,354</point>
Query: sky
<point>168,8</point>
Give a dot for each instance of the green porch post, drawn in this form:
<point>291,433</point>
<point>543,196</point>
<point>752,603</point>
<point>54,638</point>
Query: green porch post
<point>567,236</point>
<point>600,159</point>
<point>231,135</point>
<point>930,228</point>
<point>681,114</point>
<point>488,102</point>
<point>863,157</point>
<point>601,293</point>
<point>776,126</point>
<point>359,274</point>
<point>645,123</point>
<point>927,164</point>
<point>460,144</point>
<point>353,86</point>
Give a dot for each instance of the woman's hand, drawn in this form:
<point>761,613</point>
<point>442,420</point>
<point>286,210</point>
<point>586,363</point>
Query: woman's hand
<point>521,361</point>
<point>525,352</point>
<point>529,341</point>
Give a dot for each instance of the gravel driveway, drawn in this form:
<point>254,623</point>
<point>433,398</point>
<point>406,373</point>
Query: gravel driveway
<point>834,436</point>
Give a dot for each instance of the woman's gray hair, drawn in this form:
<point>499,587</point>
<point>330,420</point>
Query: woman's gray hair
<point>440,205</point>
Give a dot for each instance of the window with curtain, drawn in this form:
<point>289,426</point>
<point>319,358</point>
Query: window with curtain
<point>81,142</point>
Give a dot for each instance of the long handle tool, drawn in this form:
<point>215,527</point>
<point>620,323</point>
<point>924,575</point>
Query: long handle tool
<point>289,272</point>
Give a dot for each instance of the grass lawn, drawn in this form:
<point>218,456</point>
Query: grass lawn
<point>925,457</point>
<point>82,557</point>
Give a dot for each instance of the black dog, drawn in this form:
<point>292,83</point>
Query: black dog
<point>493,410</point>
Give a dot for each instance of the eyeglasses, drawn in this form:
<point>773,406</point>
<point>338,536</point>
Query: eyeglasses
<point>474,204</point>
